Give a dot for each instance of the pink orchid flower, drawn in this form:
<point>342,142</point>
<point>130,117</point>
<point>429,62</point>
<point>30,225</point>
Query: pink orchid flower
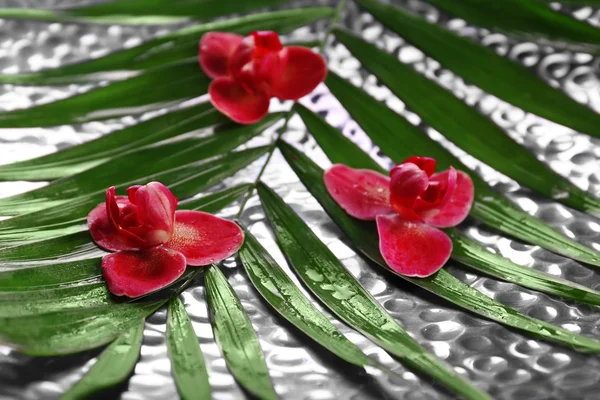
<point>153,243</point>
<point>409,207</point>
<point>248,71</point>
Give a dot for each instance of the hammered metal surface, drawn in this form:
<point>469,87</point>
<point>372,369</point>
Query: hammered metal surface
<point>505,363</point>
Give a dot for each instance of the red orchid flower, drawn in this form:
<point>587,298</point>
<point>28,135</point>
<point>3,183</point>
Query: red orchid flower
<point>409,208</point>
<point>248,71</point>
<point>153,242</point>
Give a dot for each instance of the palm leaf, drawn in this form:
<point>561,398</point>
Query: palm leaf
<point>187,362</point>
<point>141,11</point>
<point>134,166</point>
<point>276,287</point>
<point>481,66</point>
<point>176,47</point>
<point>87,155</point>
<point>52,297</point>
<point>399,140</point>
<point>363,235</point>
<point>74,330</point>
<point>527,20</point>
<point>466,127</point>
<point>328,279</point>
<point>236,337</point>
<point>340,149</point>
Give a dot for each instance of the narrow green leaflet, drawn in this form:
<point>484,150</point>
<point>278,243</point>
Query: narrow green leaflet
<point>133,166</point>
<point>141,11</point>
<point>17,304</point>
<point>236,337</point>
<point>89,154</point>
<point>72,331</point>
<point>113,366</point>
<point>340,149</point>
<point>149,91</point>
<point>187,363</point>
<point>63,248</point>
<point>276,287</point>
<point>69,217</point>
<point>363,235</point>
<point>529,20</point>
<point>466,127</point>
<point>176,46</point>
<point>472,254</point>
<point>80,245</point>
<point>51,276</point>
<point>479,65</point>
<point>399,139</point>
<point>329,280</point>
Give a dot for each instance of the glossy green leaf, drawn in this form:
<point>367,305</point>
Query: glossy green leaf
<point>399,139</point>
<point>472,254</point>
<point>363,235</point>
<point>276,287</point>
<point>466,127</point>
<point>113,366</point>
<point>497,75</point>
<point>80,245</point>
<point>528,20</point>
<point>71,216</point>
<point>236,337</point>
<point>187,363</point>
<point>149,91</point>
<point>62,248</point>
<point>340,149</point>
<point>141,11</point>
<point>134,166</point>
<point>51,276</point>
<point>329,280</point>
<point>176,46</point>
<point>89,154</point>
<point>17,304</point>
<point>72,331</point>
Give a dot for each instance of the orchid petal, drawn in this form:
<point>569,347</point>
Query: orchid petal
<point>216,49</point>
<point>303,71</point>
<point>362,193</point>
<point>105,233</point>
<point>412,248</point>
<point>134,273</point>
<point>266,41</point>
<point>233,100</point>
<point>204,238</point>
<point>427,164</point>
<point>457,207</point>
<point>156,207</point>
<point>407,183</point>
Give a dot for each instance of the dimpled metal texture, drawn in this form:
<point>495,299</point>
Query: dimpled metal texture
<point>503,362</point>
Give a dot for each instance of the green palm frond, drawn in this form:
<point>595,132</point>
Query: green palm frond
<point>53,299</point>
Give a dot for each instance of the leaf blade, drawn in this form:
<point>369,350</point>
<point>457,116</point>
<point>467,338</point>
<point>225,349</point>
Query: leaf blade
<point>174,47</point>
<point>89,154</point>
<point>328,279</point>
<point>363,235</point>
<point>236,337</point>
<point>387,129</point>
<point>483,139</point>
<point>282,294</point>
<point>69,217</point>
<point>113,366</point>
<point>187,361</point>
<point>72,331</point>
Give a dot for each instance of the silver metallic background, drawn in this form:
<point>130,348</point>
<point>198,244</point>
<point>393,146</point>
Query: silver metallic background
<point>507,364</point>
